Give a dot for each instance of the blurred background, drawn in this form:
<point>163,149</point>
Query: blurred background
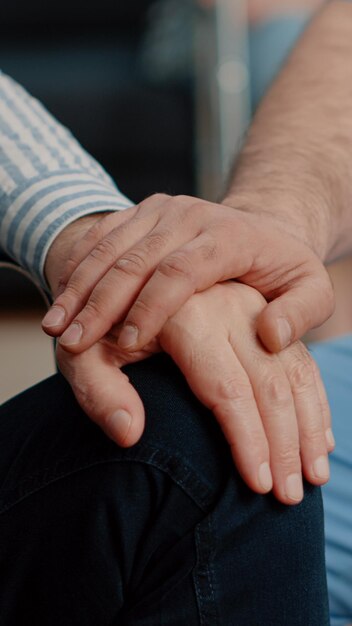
<point>161,93</point>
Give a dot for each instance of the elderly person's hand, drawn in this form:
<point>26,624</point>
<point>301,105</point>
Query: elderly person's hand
<point>272,408</point>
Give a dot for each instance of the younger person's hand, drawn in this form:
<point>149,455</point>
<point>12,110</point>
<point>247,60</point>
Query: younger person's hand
<point>142,265</point>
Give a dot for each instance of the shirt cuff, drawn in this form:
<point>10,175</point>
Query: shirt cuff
<point>45,207</point>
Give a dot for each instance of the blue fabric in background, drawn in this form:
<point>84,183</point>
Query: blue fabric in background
<point>269,46</point>
<point>335,361</point>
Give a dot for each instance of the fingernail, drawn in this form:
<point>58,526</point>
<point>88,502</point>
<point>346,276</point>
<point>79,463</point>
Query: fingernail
<point>54,317</point>
<point>128,336</point>
<point>119,423</point>
<point>330,439</point>
<point>72,335</point>
<point>265,477</point>
<point>321,468</point>
<point>294,487</point>
<point>285,332</point>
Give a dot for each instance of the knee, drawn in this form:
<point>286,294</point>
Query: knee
<point>176,422</point>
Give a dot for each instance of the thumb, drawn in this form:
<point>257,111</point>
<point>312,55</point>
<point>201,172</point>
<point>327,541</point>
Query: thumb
<point>305,305</point>
<point>104,393</point>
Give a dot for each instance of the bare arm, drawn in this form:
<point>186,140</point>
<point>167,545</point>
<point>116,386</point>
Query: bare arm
<point>296,164</point>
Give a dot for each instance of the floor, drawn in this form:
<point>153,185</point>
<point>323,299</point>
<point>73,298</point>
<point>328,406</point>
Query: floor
<point>26,353</point>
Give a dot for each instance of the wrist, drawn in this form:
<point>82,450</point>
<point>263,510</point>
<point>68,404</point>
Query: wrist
<point>307,219</point>
<point>59,251</point>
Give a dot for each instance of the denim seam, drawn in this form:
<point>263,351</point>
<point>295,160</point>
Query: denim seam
<point>184,476</point>
<point>203,574</point>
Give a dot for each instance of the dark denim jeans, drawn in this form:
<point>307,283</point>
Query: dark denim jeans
<point>163,533</point>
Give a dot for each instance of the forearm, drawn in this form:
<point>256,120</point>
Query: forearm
<point>47,180</point>
<point>297,160</point>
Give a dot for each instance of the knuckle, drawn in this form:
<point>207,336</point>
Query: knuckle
<point>209,252</point>
<point>198,360</point>
<point>300,367</point>
<point>198,209</point>
<point>70,265</point>
<point>155,242</point>
<point>104,251</point>
<point>177,266</point>
<point>186,202</point>
<point>177,209</point>
<point>133,264</point>
<point>73,291</point>
<point>159,196</point>
<point>234,389</point>
<point>146,308</point>
<point>301,375</point>
<point>151,203</point>
<point>311,435</point>
<point>95,232</point>
<point>275,390</point>
<point>288,456</point>
<point>94,308</point>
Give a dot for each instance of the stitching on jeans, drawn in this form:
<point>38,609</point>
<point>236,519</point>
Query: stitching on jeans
<point>177,470</point>
<point>203,573</point>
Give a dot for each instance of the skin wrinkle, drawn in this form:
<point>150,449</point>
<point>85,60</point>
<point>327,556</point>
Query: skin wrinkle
<point>280,278</point>
<point>209,252</point>
<point>157,241</point>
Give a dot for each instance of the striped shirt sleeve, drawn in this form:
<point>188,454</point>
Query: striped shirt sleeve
<point>47,180</point>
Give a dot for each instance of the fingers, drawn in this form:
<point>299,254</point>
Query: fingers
<point>121,264</point>
<point>303,292</point>
<point>311,410</point>
<point>324,407</point>
<point>193,267</point>
<point>84,245</point>
<point>102,227</point>
<point>240,381</point>
<point>306,303</point>
<point>104,393</point>
<point>290,397</point>
<point>218,380</point>
<point>277,410</point>
<point>90,261</point>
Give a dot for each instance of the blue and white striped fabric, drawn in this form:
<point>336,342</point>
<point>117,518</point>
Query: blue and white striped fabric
<point>46,179</point>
